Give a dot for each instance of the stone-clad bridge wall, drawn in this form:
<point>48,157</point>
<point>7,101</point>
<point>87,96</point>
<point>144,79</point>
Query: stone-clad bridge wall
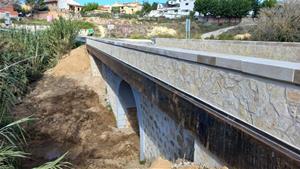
<point>270,105</point>
<point>240,88</point>
<point>286,51</point>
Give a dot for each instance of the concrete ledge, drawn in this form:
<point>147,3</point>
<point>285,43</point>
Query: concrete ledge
<point>285,51</point>
<point>273,69</point>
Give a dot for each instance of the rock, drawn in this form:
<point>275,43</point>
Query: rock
<point>224,167</point>
<point>161,164</point>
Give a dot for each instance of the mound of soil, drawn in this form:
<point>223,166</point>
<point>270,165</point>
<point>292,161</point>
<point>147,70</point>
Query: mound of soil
<point>69,105</point>
<point>74,63</point>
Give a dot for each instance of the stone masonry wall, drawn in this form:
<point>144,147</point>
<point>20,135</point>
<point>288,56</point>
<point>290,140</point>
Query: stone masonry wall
<point>159,135</point>
<point>269,50</point>
<point>269,105</point>
<point>163,136</point>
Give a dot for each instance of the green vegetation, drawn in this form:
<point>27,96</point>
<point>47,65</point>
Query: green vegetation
<point>31,21</point>
<point>84,25</point>
<point>280,24</point>
<point>258,4</point>
<point>25,21</point>
<point>223,8</point>
<point>129,16</point>
<point>139,29</point>
<point>24,56</point>
<point>231,8</point>
<point>115,10</point>
<point>100,15</point>
<point>226,37</point>
<point>268,3</point>
<point>240,30</point>
<point>89,7</point>
<point>36,5</point>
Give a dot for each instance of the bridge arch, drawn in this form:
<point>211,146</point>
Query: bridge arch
<point>127,109</point>
<point>129,112</point>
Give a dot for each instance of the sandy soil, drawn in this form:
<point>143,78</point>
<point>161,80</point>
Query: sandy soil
<point>69,104</point>
<point>72,116</point>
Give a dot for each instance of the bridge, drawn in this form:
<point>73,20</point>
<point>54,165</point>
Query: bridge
<point>212,102</point>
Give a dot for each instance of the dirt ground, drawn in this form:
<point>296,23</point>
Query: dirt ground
<point>69,104</point>
<point>72,116</point>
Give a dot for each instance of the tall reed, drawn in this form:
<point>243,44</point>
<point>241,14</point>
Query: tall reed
<point>24,56</point>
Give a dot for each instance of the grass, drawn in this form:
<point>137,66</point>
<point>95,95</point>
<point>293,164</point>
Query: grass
<point>24,56</point>
<point>226,37</point>
<point>137,36</point>
<point>32,22</point>
<point>85,25</point>
<point>26,21</point>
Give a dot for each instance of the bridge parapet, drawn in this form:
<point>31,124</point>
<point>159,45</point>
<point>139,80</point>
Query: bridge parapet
<point>262,93</point>
<point>285,51</point>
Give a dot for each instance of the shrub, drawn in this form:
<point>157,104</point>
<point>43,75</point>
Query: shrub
<point>163,32</point>
<point>98,14</point>
<point>137,36</point>
<point>280,23</point>
<point>225,37</point>
<point>84,25</point>
<point>90,6</point>
<point>129,16</point>
<point>268,3</point>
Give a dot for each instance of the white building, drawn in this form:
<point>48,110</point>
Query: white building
<point>63,5</point>
<point>173,9</point>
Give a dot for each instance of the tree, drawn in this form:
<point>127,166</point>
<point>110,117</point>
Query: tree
<point>269,3</point>
<point>242,7</point>
<point>90,6</point>
<point>146,7</point>
<point>223,8</point>
<point>256,5</point>
<point>154,6</point>
<point>36,5</point>
<point>115,10</point>
<point>203,6</point>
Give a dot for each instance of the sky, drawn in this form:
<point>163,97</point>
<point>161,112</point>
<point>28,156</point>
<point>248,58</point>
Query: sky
<point>109,2</point>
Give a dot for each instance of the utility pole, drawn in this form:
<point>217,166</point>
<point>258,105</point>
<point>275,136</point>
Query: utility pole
<point>188,28</point>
